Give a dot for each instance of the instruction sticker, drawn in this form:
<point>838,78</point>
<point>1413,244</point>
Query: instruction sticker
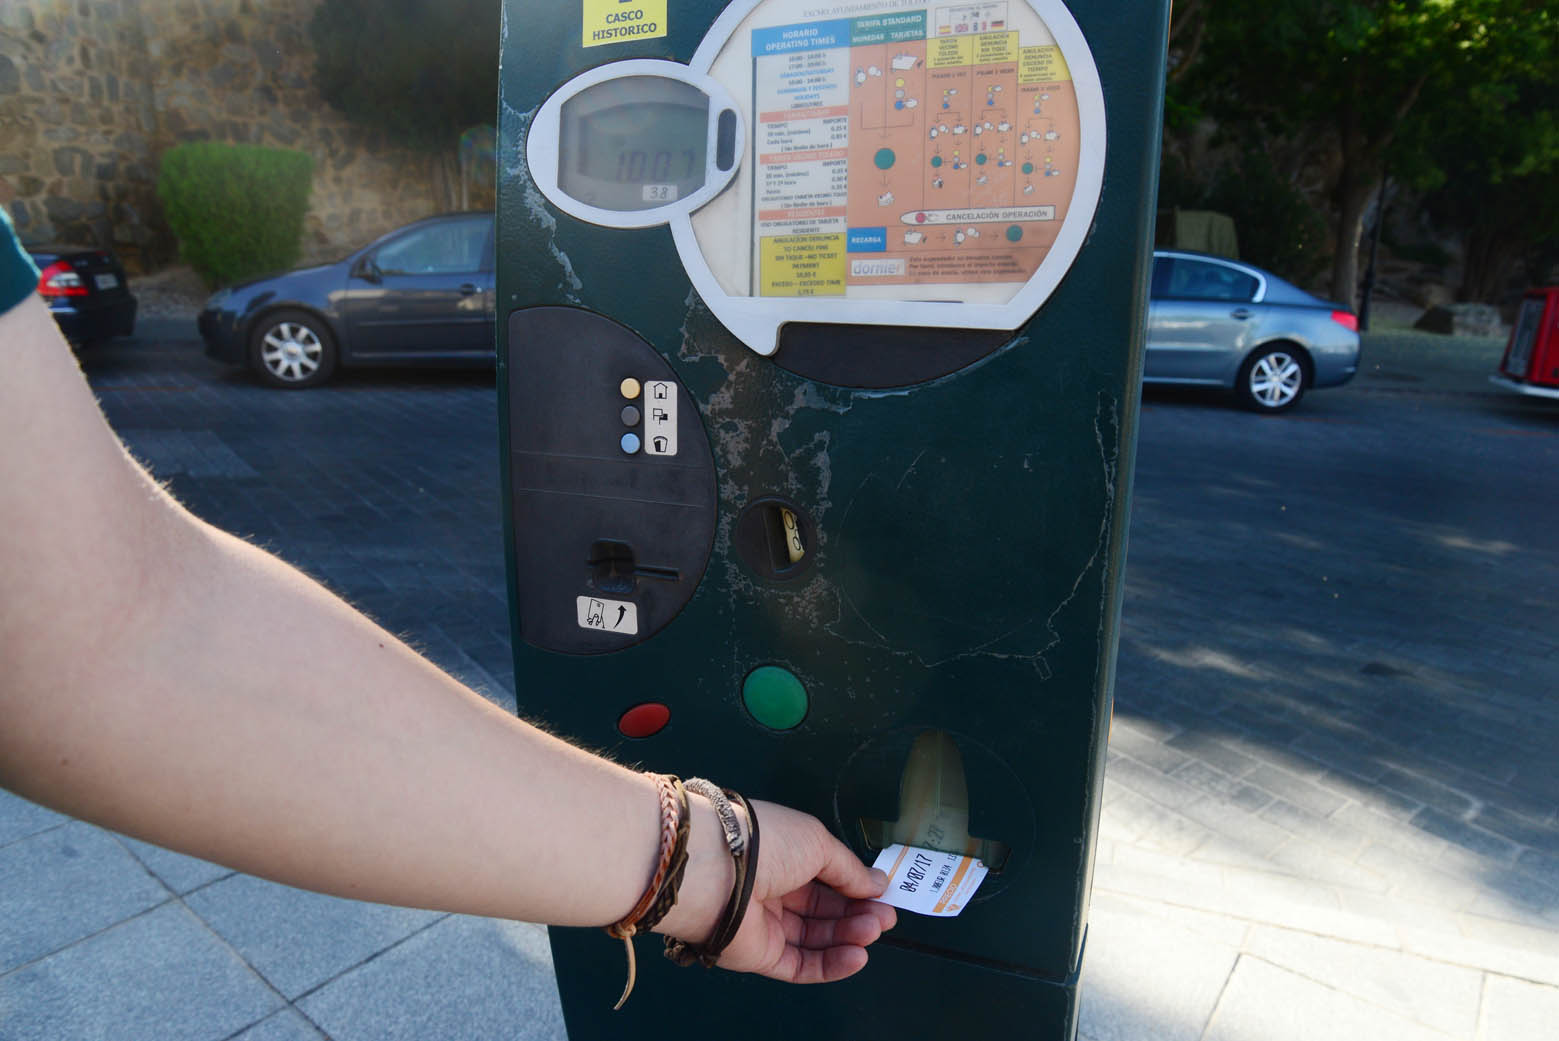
<point>608,616</point>
<point>660,417</point>
<point>618,21</point>
<point>926,881</point>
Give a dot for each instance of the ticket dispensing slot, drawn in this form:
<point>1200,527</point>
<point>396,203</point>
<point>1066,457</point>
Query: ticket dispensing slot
<point>934,806</point>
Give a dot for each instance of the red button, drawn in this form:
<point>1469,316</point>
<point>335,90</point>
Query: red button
<point>644,720</point>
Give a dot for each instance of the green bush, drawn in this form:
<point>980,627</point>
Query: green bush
<point>237,209</point>
<point>1278,228</point>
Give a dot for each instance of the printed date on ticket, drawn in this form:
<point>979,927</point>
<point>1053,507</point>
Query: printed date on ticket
<point>927,881</point>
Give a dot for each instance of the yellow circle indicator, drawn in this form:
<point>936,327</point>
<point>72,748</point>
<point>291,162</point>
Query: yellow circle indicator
<point>899,82</point>
<point>629,388</point>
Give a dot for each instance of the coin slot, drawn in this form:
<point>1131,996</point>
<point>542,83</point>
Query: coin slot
<point>775,538</point>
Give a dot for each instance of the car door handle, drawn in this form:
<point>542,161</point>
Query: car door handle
<point>1241,313</point>
<point>468,289</point>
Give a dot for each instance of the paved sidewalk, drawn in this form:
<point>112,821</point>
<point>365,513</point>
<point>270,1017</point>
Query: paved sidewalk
<point>1330,808</point>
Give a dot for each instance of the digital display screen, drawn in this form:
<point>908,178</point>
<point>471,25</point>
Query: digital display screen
<point>633,143</point>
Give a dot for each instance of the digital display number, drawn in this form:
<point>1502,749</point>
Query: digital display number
<point>633,143</point>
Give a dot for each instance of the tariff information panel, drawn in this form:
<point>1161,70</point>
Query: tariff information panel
<point>917,146</point>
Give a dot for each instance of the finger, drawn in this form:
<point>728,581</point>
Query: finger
<point>843,871</point>
<point>826,966</point>
<point>859,930</point>
<point>887,916</point>
<point>815,901</point>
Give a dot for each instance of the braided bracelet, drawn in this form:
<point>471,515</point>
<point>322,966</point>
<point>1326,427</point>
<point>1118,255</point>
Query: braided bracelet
<point>744,857</point>
<point>662,892</point>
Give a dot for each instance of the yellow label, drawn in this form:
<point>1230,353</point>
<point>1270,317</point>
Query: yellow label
<point>995,48</point>
<point>801,265</point>
<point>948,52</point>
<point>619,21</point>
<point>1042,65</point>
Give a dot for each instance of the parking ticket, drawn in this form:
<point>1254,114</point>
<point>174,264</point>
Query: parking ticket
<point>928,882</point>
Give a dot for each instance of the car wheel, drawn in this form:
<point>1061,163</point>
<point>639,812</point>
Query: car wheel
<point>1272,379</point>
<point>292,349</point>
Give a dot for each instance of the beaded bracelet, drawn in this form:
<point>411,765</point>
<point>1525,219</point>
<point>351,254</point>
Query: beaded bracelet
<point>661,895</point>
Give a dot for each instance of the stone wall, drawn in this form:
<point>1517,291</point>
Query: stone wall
<point>93,91</point>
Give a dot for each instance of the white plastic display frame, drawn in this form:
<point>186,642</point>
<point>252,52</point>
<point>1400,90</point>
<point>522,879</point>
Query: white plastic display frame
<point>543,142</point>
<point>756,320</point>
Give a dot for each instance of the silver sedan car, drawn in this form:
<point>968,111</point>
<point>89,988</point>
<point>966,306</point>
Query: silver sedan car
<point>1218,322</point>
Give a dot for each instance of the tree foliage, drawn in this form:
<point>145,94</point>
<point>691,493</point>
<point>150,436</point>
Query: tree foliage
<point>1368,81</point>
<point>421,71</point>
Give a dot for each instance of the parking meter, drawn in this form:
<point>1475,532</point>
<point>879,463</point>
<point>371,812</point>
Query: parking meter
<point>820,329</point>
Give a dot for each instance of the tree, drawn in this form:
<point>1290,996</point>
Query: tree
<point>1492,162</point>
<point>420,71</point>
<point>1349,75</point>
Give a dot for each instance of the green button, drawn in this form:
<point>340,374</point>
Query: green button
<point>774,697</point>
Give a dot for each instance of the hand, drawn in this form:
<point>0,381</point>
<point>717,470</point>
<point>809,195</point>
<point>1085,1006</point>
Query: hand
<point>812,914</point>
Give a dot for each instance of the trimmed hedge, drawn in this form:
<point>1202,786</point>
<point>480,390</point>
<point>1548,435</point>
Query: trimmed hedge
<point>237,209</point>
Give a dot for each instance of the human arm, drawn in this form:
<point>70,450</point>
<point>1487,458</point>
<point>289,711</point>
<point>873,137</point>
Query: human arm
<point>175,683</point>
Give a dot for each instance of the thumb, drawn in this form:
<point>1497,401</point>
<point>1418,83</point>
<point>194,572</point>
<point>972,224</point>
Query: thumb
<point>843,871</point>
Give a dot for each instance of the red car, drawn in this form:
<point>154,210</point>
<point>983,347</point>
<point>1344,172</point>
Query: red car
<point>1531,361</point>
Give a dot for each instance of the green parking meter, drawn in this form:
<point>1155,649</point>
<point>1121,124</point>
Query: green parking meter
<point>820,328</point>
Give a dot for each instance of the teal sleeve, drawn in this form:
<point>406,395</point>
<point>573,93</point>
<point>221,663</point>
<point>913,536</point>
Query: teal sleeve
<point>18,275</point>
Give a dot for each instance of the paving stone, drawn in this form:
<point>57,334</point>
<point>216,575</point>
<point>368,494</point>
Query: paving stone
<point>65,884</point>
<point>1148,977</point>
<point>285,1025</point>
<point>298,940</point>
<point>475,979</point>
<point>1439,996</point>
<point>1290,787</point>
<point>178,872</point>
<point>1221,786</point>
<point>161,976</point>
<point>1151,783</point>
<point>1516,1010</point>
<point>1263,1002</point>
<point>1463,835</point>
<point>1216,751</point>
<point>21,817</point>
<point>1232,822</point>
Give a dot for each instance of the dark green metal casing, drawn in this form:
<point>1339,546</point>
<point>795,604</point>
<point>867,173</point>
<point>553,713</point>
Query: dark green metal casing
<point>967,539</point>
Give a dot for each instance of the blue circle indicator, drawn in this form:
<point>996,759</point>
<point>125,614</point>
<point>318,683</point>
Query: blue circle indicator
<point>630,443</point>
<point>979,160</point>
<point>1014,233</point>
<point>884,158</point>
<point>898,104</point>
<point>936,161</point>
<point>1028,168</point>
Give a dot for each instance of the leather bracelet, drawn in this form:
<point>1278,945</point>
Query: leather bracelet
<point>745,862</point>
<point>664,883</point>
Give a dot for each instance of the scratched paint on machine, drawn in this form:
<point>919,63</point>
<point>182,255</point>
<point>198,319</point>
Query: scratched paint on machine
<point>619,21</point>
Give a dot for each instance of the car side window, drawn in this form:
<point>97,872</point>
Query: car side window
<point>440,249</point>
<point>1199,280</point>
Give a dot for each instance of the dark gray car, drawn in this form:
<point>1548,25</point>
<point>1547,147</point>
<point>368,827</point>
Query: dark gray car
<point>422,294</point>
<point>1218,322</point>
